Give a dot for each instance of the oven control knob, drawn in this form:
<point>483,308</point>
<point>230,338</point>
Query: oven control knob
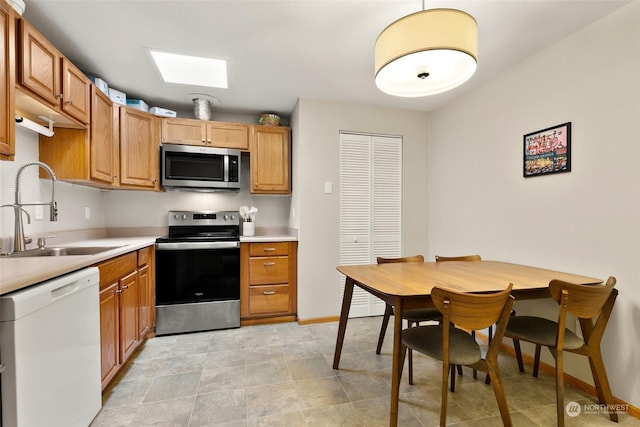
<point>226,217</point>
<point>184,216</point>
<point>233,217</point>
<point>176,216</point>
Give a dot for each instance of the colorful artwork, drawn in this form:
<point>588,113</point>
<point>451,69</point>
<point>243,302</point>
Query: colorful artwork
<point>548,151</point>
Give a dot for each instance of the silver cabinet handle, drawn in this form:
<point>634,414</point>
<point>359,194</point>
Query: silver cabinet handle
<point>269,264</point>
<point>269,292</point>
<point>269,249</point>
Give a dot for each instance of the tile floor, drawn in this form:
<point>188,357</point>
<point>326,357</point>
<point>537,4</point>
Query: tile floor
<point>281,375</point>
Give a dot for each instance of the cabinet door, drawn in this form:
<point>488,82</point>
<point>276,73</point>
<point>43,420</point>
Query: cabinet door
<point>39,64</point>
<point>75,92</point>
<point>7,82</point>
<point>139,166</point>
<point>109,332</point>
<point>144,301</point>
<point>184,131</point>
<point>104,145</point>
<point>128,315</point>
<point>228,135</point>
<point>270,160</point>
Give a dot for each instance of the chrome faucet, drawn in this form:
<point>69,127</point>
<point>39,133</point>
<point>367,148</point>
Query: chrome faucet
<point>19,240</point>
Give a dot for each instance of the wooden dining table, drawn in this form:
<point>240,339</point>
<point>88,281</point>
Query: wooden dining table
<point>408,285</point>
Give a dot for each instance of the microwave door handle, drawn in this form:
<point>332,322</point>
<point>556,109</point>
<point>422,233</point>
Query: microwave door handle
<point>226,168</point>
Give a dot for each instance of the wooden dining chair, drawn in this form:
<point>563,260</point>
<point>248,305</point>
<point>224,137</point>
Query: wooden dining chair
<point>463,258</point>
<point>585,302</point>
<point>455,346</point>
<point>412,316</point>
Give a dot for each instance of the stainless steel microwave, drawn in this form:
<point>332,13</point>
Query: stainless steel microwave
<point>194,168</point>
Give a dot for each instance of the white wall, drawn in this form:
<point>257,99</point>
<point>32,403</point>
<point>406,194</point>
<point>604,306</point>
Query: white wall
<point>316,126</point>
<point>149,209</point>
<point>585,221</point>
<point>72,199</point>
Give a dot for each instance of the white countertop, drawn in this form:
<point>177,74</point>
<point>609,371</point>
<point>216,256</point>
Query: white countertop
<point>271,234</point>
<point>18,273</point>
<point>268,238</point>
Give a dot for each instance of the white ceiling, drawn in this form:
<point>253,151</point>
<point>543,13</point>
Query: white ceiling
<point>279,51</point>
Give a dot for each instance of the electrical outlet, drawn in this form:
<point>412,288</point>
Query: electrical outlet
<point>39,212</point>
<point>87,212</point>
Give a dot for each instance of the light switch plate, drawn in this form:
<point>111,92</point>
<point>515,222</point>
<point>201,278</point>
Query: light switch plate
<point>328,187</point>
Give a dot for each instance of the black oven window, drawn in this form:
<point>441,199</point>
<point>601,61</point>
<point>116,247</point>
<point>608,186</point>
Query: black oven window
<point>194,166</point>
<point>190,276</point>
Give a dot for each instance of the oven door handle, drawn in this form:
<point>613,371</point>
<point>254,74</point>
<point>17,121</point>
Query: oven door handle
<point>183,246</point>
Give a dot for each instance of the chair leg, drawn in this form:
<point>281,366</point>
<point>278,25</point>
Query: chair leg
<point>559,388</point>
<point>410,366</point>
<point>516,347</point>
<point>452,368</point>
<point>443,402</point>
<point>498,390</point>
<point>388,311</point>
<point>487,379</point>
<point>602,383</point>
<point>536,360</point>
<point>475,372</point>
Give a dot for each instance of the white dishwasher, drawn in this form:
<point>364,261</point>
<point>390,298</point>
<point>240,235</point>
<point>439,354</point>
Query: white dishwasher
<point>50,346</point>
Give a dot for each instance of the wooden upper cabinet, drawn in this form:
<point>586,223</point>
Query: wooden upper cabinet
<point>7,82</point>
<point>75,92</point>
<point>47,73</point>
<point>199,132</point>
<point>139,156</point>
<point>228,135</point>
<point>39,64</point>
<point>184,131</point>
<point>104,145</point>
<point>270,160</point>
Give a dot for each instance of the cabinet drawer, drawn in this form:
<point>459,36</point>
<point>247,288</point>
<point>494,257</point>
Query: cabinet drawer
<point>269,299</point>
<point>269,249</point>
<point>268,270</point>
<point>114,269</point>
<point>143,256</point>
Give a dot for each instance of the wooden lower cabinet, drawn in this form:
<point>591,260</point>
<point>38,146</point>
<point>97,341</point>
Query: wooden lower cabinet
<point>126,288</point>
<point>128,314</point>
<point>268,282</point>
<point>146,291</point>
<point>109,331</point>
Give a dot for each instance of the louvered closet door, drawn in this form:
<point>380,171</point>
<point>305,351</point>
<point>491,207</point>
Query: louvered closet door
<point>370,207</point>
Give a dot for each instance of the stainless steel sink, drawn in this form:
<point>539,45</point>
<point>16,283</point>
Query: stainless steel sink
<point>61,251</point>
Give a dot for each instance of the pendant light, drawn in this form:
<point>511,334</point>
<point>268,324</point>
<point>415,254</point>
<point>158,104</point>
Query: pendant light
<point>426,53</point>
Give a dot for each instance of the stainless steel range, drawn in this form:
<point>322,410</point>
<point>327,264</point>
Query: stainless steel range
<point>198,272</point>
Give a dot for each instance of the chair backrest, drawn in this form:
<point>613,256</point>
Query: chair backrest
<point>583,301</point>
<point>472,311</point>
<point>414,258</point>
<point>458,258</point>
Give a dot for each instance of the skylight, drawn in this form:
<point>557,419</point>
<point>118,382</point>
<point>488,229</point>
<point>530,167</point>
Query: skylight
<point>191,70</point>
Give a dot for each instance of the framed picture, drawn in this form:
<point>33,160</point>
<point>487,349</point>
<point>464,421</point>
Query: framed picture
<point>547,151</point>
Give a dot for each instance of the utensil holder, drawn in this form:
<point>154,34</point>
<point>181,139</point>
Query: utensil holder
<point>249,228</point>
